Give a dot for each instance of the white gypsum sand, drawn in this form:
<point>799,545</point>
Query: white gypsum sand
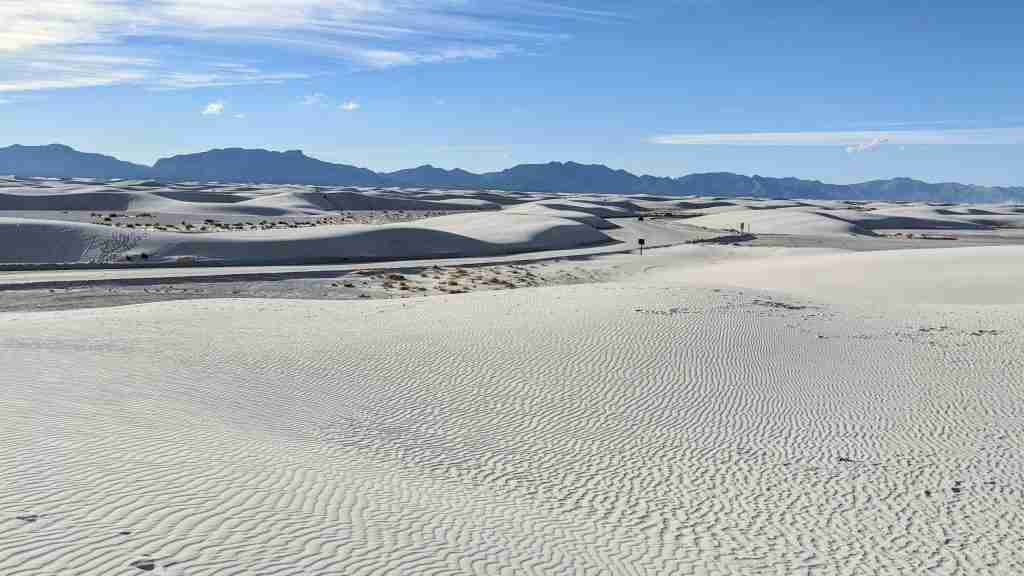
<point>45,222</point>
<point>30,241</point>
<point>57,222</point>
<point>669,423</point>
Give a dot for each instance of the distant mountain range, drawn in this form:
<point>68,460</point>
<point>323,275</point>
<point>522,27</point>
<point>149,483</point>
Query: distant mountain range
<point>261,166</point>
<point>59,161</point>
<point>294,167</point>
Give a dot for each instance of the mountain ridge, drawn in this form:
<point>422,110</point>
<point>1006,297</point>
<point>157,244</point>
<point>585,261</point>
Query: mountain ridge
<point>294,167</point>
<point>60,161</point>
<point>262,166</point>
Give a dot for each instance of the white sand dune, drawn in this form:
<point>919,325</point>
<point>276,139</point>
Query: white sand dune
<point>627,203</point>
<point>906,217</point>
<point>468,204</point>
<point>546,210</point>
<point>50,241</point>
<point>650,426</point>
<point>987,275</point>
<point>599,210</point>
<point>706,203</point>
<point>365,201</point>
<point>500,198</point>
<point>181,202</point>
<point>100,201</point>
<point>963,216</point>
<point>445,236</point>
<point>24,240</point>
<point>192,204</point>
<point>771,204</point>
<point>843,218</point>
<point>779,221</point>
<point>716,410</point>
<point>651,197</point>
<point>29,236</point>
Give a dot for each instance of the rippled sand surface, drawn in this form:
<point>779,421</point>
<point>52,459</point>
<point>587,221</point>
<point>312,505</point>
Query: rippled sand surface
<point>650,426</point>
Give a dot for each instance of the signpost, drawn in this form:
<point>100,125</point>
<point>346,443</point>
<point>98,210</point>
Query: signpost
<point>640,241</point>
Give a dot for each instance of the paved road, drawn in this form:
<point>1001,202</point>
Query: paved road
<point>657,233</point>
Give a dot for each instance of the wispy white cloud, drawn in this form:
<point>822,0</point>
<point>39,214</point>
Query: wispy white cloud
<point>219,78</point>
<point>866,146</point>
<point>56,69</point>
<point>364,33</point>
<point>392,58</point>
<point>70,81</point>
<point>55,22</point>
<point>61,68</point>
<point>5,101</point>
<point>215,108</point>
<point>240,116</point>
<point>857,139</point>
<point>321,100</point>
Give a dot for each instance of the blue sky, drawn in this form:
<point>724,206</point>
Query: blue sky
<point>837,91</point>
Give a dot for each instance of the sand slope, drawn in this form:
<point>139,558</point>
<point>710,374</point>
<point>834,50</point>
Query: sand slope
<point>989,275</point>
<point>272,203</point>
<point>779,221</point>
<point>25,240</point>
<point>577,215</point>
<point>643,427</point>
<point>48,241</point>
<point>830,218</point>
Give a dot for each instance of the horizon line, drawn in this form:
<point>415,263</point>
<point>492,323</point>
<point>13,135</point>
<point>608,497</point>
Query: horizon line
<point>562,162</point>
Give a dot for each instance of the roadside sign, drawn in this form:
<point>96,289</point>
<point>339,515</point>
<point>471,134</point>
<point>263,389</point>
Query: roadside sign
<point>640,241</point>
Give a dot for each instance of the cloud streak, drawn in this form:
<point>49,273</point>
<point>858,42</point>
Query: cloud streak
<point>59,68</point>
<point>858,140</point>
<point>214,108</point>
<point>866,146</point>
<point>364,33</point>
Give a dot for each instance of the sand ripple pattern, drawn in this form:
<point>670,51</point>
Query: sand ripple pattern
<point>587,430</point>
